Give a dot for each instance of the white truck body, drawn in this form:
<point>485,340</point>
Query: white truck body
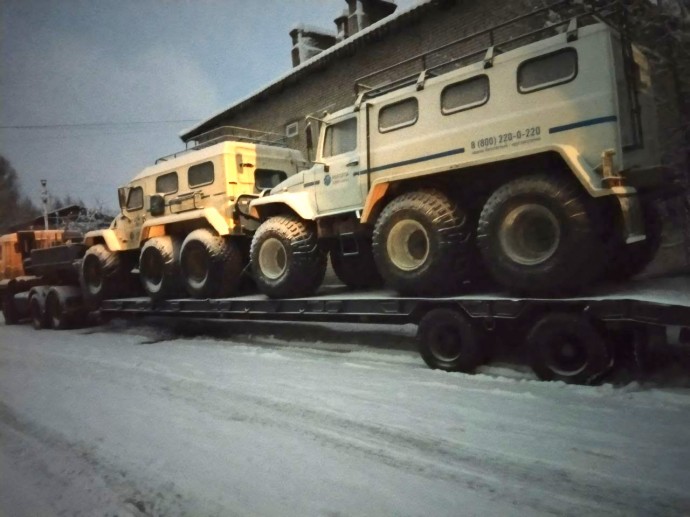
<point>566,95</point>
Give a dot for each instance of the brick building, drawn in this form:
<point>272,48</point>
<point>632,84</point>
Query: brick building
<point>370,36</point>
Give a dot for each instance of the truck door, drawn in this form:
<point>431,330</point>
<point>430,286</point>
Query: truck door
<point>337,185</point>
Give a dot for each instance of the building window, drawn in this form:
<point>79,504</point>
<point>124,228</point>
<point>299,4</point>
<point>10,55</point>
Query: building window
<point>465,95</point>
<point>547,70</point>
<point>135,201</point>
<point>268,178</point>
<point>292,130</point>
<point>398,115</point>
<point>167,183</point>
<point>201,174</point>
<point>340,138</point>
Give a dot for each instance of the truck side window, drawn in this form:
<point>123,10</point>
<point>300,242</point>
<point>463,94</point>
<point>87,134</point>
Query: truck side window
<point>547,70</point>
<point>201,174</point>
<point>398,115</point>
<point>268,178</point>
<point>465,95</point>
<point>167,183</point>
<point>136,199</point>
<point>340,138</point>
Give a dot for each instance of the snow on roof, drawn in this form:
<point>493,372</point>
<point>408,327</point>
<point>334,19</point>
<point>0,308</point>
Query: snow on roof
<point>313,29</point>
<point>306,64</point>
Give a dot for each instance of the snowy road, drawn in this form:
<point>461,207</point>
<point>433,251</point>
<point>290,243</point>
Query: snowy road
<point>117,421</point>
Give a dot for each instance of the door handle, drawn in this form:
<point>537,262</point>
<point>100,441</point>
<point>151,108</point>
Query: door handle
<point>353,163</point>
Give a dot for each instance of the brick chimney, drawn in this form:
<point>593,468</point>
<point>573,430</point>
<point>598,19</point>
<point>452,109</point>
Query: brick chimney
<point>309,41</point>
<point>362,13</point>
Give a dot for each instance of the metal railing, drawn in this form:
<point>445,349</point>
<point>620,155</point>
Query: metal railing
<point>229,134</point>
<point>421,62</point>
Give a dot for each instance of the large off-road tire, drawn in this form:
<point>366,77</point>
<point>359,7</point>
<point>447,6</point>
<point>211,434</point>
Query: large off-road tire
<point>541,235</point>
<point>39,318</point>
<point>9,310</point>
<point>211,265</point>
<point>357,269</point>
<point>103,274</point>
<point>286,258</point>
<point>449,341</point>
<point>57,317</point>
<point>627,260</point>
<point>159,269</point>
<point>567,347</point>
<point>423,245</point>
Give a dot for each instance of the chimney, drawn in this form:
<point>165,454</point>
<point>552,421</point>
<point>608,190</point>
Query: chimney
<point>363,13</point>
<point>341,26</point>
<point>309,41</point>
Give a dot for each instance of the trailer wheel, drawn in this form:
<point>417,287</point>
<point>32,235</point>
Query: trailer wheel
<point>286,258</point>
<point>9,310</point>
<point>101,276</point>
<point>540,235</point>
<point>627,260</point>
<point>357,270</point>
<point>159,267</point>
<point>422,244</point>
<point>447,340</point>
<point>211,265</point>
<point>55,313</point>
<point>39,318</point>
<point>567,347</point>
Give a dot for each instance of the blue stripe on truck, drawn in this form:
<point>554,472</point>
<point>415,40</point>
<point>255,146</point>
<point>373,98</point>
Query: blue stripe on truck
<point>460,150</point>
<point>584,123</point>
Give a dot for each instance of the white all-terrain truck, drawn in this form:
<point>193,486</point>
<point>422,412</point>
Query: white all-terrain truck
<point>528,164</point>
<point>180,224</point>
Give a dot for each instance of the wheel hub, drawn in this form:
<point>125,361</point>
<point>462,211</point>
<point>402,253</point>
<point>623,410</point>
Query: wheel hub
<point>530,234</point>
<point>272,258</point>
<point>567,357</point>
<point>447,343</point>
<point>195,265</point>
<point>408,245</point>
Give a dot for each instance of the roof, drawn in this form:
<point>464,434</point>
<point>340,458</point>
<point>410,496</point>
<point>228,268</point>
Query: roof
<point>387,24</point>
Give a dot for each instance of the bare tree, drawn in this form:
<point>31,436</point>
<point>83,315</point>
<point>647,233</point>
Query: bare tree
<point>14,207</point>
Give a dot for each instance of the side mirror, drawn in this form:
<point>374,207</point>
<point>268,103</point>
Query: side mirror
<point>157,205</point>
<point>122,193</point>
<point>310,141</point>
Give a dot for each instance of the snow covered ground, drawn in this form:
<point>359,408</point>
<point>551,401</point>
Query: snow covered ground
<point>122,420</point>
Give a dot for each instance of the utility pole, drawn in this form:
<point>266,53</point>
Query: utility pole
<point>45,197</point>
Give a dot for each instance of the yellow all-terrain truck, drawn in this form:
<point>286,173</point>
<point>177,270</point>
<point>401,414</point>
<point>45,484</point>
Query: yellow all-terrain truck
<point>179,222</point>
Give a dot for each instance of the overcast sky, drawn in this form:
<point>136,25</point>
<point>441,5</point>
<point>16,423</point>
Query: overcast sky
<point>104,75</point>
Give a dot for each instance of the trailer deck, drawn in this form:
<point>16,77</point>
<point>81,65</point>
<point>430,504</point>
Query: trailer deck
<point>661,301</point>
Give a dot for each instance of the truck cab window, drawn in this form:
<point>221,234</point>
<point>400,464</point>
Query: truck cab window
<point>547,70</point>
<point>340,138</point>
<point>268,178</point>
<point>136,199</point>
<point>167,183</point>
<point>398,115</point>
<point>201,174</point>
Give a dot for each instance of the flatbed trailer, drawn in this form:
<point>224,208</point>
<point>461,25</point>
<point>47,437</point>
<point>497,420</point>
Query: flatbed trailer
<point>575,339</point>
<point>571,339</point>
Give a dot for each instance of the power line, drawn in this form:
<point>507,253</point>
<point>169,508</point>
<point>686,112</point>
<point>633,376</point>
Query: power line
<point>96,124</point>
